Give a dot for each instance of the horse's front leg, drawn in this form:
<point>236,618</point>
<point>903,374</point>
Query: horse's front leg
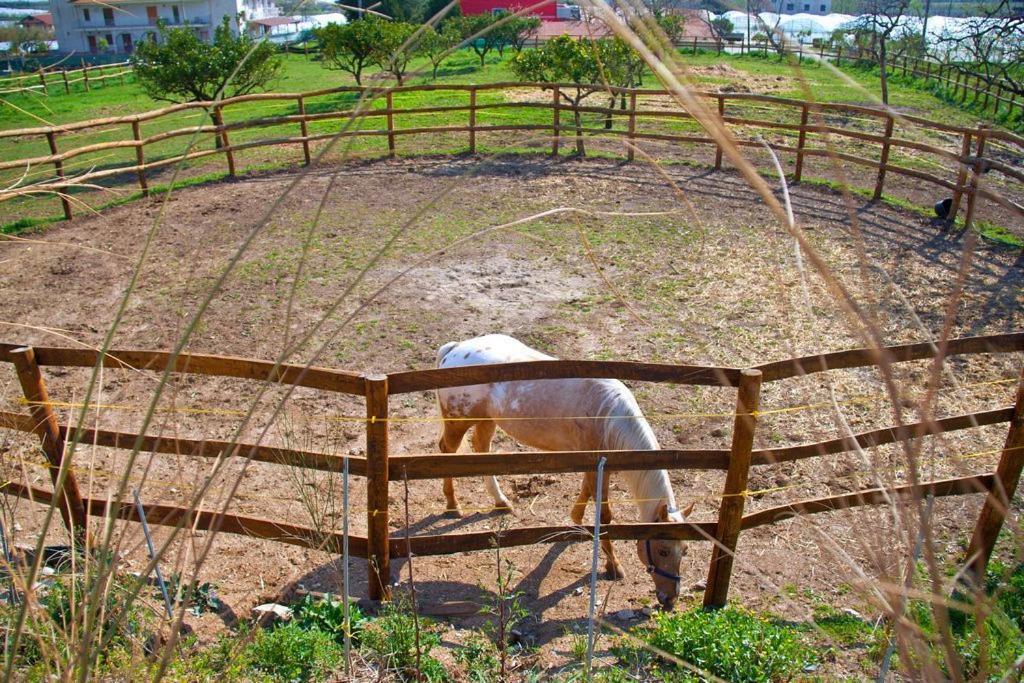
<point>611,562</point>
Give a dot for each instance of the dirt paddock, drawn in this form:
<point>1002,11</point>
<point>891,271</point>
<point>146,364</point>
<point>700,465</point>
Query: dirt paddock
<point>698,273</point>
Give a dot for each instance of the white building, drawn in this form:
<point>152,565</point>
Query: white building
<point>94,26</point>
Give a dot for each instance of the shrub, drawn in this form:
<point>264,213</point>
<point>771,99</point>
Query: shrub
<point>730,643</point>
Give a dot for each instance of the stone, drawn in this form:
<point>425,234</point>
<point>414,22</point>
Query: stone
<point>625,614</point>
<point>699,586</point>
<point>717,431</point>
<point>272,612</point>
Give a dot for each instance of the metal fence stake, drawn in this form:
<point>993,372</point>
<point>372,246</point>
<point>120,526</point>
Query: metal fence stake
<point>152,553</point>
<point>593,565</point>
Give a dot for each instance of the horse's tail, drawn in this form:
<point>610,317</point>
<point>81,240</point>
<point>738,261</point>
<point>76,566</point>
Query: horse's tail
<point>443,351</point>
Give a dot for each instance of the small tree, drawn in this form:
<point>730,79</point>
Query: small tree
<point>435,7</point>
<point>181,68</point>
<point>393,52</point>
<point>350,47</point>
<point>479,28</point>
<point>721,27</point>
<point>436,45</point>
<point>515,31</point>
<point>880,29</point>
<point>673,25</point>
<point>563,59</point>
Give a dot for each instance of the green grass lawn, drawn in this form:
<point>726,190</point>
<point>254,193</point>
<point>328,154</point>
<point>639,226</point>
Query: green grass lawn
<point>302,74</point>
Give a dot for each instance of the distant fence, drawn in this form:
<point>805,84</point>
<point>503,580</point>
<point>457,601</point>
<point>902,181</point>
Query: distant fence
<point>379,467</point>
<point>811,127</point>
<point>62,79</point>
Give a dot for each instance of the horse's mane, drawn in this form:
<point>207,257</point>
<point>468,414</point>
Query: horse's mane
<point>630,431</point>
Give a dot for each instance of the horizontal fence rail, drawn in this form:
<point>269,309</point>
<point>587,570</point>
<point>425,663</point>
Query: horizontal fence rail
<point>63,78</point>
<point>379,467</point>
<point>807,129</point>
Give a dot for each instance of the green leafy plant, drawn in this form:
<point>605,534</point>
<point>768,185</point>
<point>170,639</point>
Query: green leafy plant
<point>390,642</point>
<point>327,615</point>
<point>291,653</point>
<point>731,643</point>
<point>201,597</point>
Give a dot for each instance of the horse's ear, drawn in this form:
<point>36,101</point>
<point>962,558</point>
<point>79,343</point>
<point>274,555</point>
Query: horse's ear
<point>662,513</point>
<point>689,509</point>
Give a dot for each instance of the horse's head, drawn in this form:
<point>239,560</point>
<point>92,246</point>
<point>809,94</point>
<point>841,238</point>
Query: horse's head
<point>662,558</point>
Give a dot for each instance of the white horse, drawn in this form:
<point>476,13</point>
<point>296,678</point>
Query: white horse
<point>540,414</point>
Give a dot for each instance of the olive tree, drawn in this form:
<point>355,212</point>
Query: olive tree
<point>436,45</point>
<point>182,68</point>
<point>396,47</point>
<point>477,30</point>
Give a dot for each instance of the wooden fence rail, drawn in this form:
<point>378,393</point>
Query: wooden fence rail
<point>817,130</point>
<point>379,467</point>
<point>63,78</point>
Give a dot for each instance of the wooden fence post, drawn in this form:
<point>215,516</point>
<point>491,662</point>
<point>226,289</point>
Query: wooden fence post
<point>304,129</point>
<point>42,78</point>
<point>58,165</point>
<point>67,496</point>
<point>839,56</point>
<point>140,158</point>
<point>801,140</point>
<point>378,555</point>
<point>85,75</point>
<point>555,120</point>
<point>880,180</point>
<point>730,513</point>
<point>961,178</point>
<point>472,120</point>
<point>64,74</point>
<point>998,99</point>
<point>222,135</point>
<point>721,115</point>
<point>997,503</point>
<point>631,136</point>
<point>390,101</point>
<point>972,189</point>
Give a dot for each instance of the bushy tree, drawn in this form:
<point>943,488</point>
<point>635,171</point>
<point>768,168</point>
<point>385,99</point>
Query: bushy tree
<point>411,11</point>
<point>515,31</point>
<point>990,46</point>
<point>394,50</point>
<point>674,25</point>
<point>587,64</point>
<point>436,45</point>
<point>181,68</point>
<point>350,47</point>
<point>479,28</point>
<point>721,27</point>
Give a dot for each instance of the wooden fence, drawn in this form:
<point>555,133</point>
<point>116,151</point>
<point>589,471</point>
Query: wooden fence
<point>62,79</point>
<point>379,467</point>
<point>811,129</point>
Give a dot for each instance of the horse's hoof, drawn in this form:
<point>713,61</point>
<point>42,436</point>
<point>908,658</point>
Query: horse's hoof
<point>615,573</point>
<point>453,513</point>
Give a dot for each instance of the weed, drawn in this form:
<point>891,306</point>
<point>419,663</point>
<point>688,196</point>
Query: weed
<point>291,653</point>
<point>390,642</point>
<point>328,616</point>
<point>731,643</point>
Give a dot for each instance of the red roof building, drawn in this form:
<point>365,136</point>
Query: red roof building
<point>547,11</point>
<point>43,21</point>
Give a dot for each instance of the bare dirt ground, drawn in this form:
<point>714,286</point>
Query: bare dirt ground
<point>713,281</point>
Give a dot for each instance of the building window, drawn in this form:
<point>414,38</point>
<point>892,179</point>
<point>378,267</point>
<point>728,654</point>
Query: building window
<point>789,7</point>
<point>807,8</point>
<point>823,10</point>
<point>177,14</point>
<point>108,16</point>
<point>151,14</point>
<point>85,14</point>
